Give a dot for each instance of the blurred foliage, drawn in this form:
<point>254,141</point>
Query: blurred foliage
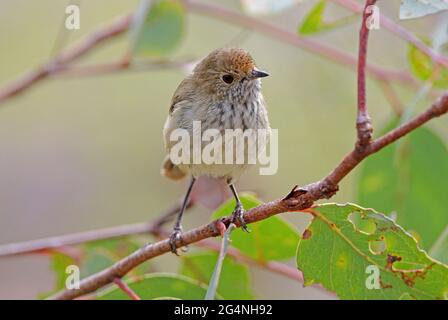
<point>411,9</point>
<point>335,251</point>
<point>157,28</point>
<point>93,257</point>
<point>314,22</point>
<point>425,69</point>
<point>272,239</point>
<point>234,281</point>
<point>59,263</point>
<point>158,286</point>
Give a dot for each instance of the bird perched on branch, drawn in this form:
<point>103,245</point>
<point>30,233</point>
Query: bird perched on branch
<point>223,92</point>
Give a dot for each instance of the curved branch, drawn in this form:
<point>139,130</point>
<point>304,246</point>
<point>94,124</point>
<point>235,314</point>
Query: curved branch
<point>47,244</point>
<point>297,200</point>
<point>66,56</point>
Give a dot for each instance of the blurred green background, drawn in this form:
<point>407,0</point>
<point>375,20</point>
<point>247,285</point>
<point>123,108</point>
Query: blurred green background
<point>83,153</point>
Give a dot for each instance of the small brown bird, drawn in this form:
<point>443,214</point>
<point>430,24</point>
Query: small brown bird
<point>223,92</point>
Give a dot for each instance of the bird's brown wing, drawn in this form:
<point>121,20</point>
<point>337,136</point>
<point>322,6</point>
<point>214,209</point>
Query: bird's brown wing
<point>183,92</point>
<point>170,170</point>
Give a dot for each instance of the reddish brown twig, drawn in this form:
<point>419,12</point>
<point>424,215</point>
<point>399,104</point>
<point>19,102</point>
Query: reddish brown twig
<point>43,245</point>
<point>399,31</point>
<point>363,122</point>
<point>126,289</point>
<point>114,67</point>
<point>297,200</point>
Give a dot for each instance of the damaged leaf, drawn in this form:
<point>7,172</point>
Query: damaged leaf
<point>341,255</point>
<point>400,181</point>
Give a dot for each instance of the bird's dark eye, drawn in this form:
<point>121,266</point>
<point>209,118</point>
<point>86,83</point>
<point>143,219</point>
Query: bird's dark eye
<point>227,78</point>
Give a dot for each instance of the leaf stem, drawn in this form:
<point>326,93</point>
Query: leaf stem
<point>214,281</point>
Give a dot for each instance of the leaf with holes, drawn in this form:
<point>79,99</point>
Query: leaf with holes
<point>158,286</point>
<point>373,260</point>
<point>401,179</point>
<point>157,27</point>
<point>234,281</point>
<point>271,239</point>
<point>411,9</point>
<point>314,21</point>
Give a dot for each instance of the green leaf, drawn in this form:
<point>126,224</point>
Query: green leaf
<point>157,27</point>
<point>439,250</point>
<point>59,263</point>
<point>409,180</point>
<point>342,255</point>
<point>158,286</point>
<point>271,239</point>
<point>424,68</point>
<point>411,9</point>
<point>314,21</point>
<point>234,281</point>
<point>119,246</point>
<point>95,260</point>
<point>103,253</point>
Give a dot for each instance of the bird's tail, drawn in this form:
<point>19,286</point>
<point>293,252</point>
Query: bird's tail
<point>170,170</point>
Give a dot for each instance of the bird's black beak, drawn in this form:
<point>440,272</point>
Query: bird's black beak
<point>259,74</point>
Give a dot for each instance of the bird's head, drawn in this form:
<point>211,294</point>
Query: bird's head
<point>229,73</point>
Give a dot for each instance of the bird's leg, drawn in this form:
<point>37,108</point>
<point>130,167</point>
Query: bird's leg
<point>238,213</point>
<point>177,230</point>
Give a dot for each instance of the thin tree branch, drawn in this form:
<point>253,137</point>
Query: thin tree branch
<point>46,244</point>
<point>126,289</point>
<point>71,54</point>
<point>114,67</point>
<point>399,31</point>
<point>63,243</point>
<point>363,122</point>
<point>121,24</point>
<point>298,199</point>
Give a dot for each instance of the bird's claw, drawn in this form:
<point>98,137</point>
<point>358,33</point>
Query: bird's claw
<point>174,237</point>
<point>238,216</point>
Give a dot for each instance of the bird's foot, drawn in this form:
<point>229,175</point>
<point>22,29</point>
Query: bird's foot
<point>175,237</point>
<point>238,216</point>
